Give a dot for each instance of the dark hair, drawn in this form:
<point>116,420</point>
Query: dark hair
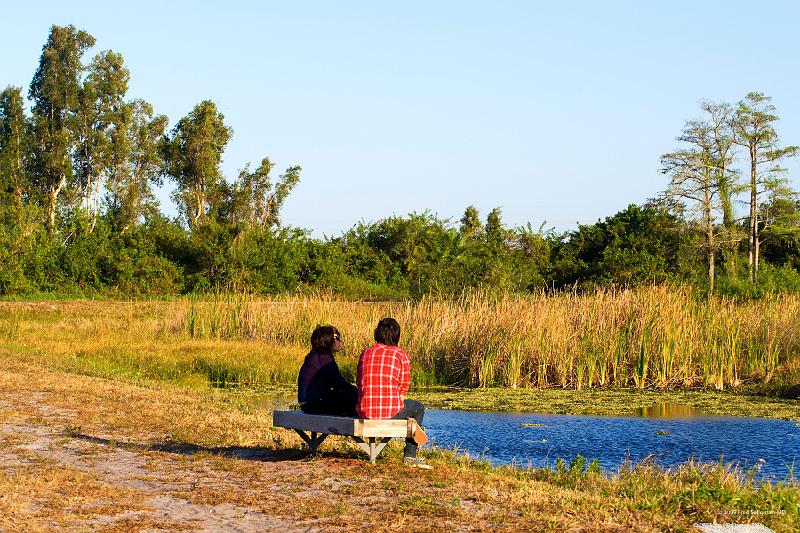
<point>388,332</point>
<point>323,338</point>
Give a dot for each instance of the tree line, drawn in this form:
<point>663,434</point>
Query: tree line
<point>705,180</point>
<point>78,213</point>
<point>85,151</point>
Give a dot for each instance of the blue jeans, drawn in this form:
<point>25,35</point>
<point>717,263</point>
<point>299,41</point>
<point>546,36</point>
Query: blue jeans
<point>411,409</point>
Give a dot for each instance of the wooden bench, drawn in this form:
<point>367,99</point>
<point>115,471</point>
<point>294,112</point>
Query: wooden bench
<point>370,435</point>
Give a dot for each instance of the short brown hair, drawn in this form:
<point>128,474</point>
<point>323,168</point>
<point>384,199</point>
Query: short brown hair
<point>388,332</point>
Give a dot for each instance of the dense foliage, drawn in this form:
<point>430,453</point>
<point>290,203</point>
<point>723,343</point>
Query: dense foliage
<point>78,214</point>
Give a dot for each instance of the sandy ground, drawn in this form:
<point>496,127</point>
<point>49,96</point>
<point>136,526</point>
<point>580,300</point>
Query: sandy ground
<point>149,473</point>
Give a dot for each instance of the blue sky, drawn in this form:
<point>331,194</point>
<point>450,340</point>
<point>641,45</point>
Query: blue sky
<point>554,113</point>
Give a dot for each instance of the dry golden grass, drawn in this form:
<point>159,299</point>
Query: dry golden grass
<point>211,447</point>
<point>145,418</point>
<point>129,340</point>
<point>656,339</point>
<point>48,497</point>
<point>659,337</point>
<point>133,377</point>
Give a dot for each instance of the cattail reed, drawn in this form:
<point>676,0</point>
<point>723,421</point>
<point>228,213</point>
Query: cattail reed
<point>663,337</point>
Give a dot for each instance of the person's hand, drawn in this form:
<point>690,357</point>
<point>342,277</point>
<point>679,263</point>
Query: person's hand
<point>402,398</point>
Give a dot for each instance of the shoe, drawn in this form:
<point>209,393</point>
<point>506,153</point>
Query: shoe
<point>416,462</point>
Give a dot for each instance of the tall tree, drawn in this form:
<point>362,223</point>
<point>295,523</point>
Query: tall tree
<point>470,223</point>
<point>723,147</point>
<point>253,189</point>
<point>255,201</point>
<point>193,154</point>
<point>14,147</point>
<point>754,129</point>
<point>495,231</point>
<point>100,104</point>
<point>694,177</point>
<point>136,162</point>
<point>286,182</point>
<point>54,90</point>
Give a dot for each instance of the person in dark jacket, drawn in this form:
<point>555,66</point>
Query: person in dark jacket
<point>321,389</point>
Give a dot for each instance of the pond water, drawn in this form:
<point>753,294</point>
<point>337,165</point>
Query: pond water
<point>670,434</point>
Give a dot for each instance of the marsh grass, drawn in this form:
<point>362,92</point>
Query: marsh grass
<point>653,338</point>
<point>609,402</point>
<point>134,342</point>
<point>127,340</point>
<point>694,491</point>
<point>663,337</point>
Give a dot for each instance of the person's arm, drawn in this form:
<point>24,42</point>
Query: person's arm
<point>303,381</point>
<point>330,376</point>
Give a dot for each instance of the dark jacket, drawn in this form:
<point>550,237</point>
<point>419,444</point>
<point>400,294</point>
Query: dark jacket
<point>320,379</point>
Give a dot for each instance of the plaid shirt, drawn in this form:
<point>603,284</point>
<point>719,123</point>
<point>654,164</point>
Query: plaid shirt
<point>383,376</point>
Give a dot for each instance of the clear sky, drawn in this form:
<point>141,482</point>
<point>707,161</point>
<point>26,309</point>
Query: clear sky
<point>553,111</point>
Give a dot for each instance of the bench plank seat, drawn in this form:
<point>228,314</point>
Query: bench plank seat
<point>370,435</point>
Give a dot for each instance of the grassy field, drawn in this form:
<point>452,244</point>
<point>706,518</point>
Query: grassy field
<point>652,338</point>
<point>96,454</point>
<point>258,346</point>
<point>182,384</point>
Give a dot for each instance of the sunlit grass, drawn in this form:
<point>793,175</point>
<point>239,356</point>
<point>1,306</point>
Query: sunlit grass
<point>128,340</point>
<point>651,337</point>
<point>660,337</point>
<point>641,496</point>
<point>694,490</point>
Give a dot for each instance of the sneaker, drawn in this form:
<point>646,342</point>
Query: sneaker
<point>416,462</point>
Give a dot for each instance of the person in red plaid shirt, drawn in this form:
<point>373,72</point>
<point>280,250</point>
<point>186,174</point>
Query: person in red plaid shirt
<point>384,375</point>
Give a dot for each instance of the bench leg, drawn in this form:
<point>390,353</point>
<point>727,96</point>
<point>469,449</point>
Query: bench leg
<point>312,440</point>
<point>373,446</point>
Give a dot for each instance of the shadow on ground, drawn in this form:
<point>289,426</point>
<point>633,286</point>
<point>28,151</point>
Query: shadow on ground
<point>233,452</point>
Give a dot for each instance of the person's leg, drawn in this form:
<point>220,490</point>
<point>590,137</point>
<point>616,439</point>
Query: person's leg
<point>411,409</point>
<point>313,408</point>
<point>337,403</point>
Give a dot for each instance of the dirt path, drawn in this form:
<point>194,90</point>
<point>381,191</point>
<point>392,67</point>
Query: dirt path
<point>133,469</point>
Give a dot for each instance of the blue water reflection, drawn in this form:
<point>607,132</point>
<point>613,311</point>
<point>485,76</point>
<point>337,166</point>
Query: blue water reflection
<point>503,438</point>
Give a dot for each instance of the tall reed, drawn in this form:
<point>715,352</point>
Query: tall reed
<point>661,337</point>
